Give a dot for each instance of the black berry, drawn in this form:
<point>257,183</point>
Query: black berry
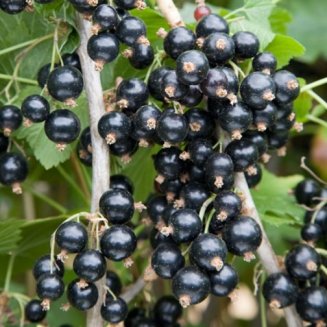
<point>172,88</point>
<point>35,109</point>
<point>43,266</point>
<point>104,18</point>
<point>264,62</point>
<point>287,86</point>
<point>167,310</point>
<point>210,24</point>
<point>10,119</point>
<point>50,287</point>
<point>34,311</point>
<point>306,190</point>
<point>122,182</point>
<point>130,29</point>
<point>228,205</point>
<point>246,45</point>
<point>215,85</point>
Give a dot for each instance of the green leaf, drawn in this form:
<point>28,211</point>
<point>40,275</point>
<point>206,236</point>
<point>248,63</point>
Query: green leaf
<point>285,48</point>
<point>275,205</point>
<point>10,234</point>
<point>279,20</point>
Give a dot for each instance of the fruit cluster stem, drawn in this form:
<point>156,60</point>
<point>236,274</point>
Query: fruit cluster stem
<point>100,151</point>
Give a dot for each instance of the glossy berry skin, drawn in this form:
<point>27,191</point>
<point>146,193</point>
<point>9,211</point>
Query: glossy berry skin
<point>254,180</point>
<point>82,298</point>
<point>167,162</point>
<point>311,304</point>
<point>133,92</point>
<point>258,139</point>
<point>235,119</point>
<point>130,29</point>
<point>156,238</point>
<point>13,7</point>
<point>118,243</point>
<point>311,232</point>
<point>246,45</point>
<point>89,265</point>
<point>211,24</point>
<point>167,310</point>
<point>123,148</point>
<point>172,127</point>
<point>83,6</point>
<point>320,218</point>
<point>257,90</point>
<point>34,311</point>
<point>179,40</point>
<point>264,62</point>
<point>84,155</point>
<point>193,97</point>
<point>306,190</point>
<point>65,83</point>
<point>134,316</point>
<point>206,250</point>
<point>155,80</point>
<point>166,260</point>
<point>287,86</point>
<point>193,194</point>
<point>192,67</point>
<point>126,4</point>
<point>146,119</point>
<point>62,126</point>
<point>43,266</point>
<point>219,48</point>
<point>103,48</point>
<point>4,142</point>
<point>122,182</point>
<point>85,139</point>
<point>114,310</point>
<point>117,206</point>
<point>224,281</point>
<point>279,290</point>
<point>172,88</point>
<point>200,124</point>
<point>186,225</point>
<point>215,85</point>
<point>72,59</point>
<point>243,153</point>
<point>105,18</point>
<point>233,84</point>
<point>156,206</point>
<point>265,118</point>
<point>13,168</point>
<point>199,151</point>
<point>201,11</point>
<point>277,140</point>
<point>228,205</point>
<point>142,55</point>
<point>242,235</point>
<point>190,286</point>
<point>71,236</point>
<point>50,287</point>
<point>302,262</point>
<point>10,119</point>
<point>35,108</point>
<point>113,282</point>
<point>43,74</point>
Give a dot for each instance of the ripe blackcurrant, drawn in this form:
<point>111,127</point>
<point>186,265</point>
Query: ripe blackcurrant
<point>265,118</point>
<point>198,151</point>
<point>302,262</point>
<point>84,155</point>
<point>82,298</point>
<point>279,290</point>
<point>228,205</point>
<point>65,84</point>
<point>35,109</point>
<point>233,84</point>
<point>246,45</point>
<point>155,80</point>
<point>319,219</point>
<point>10,119</point>
<point>84,7</point>
<point>104,18</point>
<point>43,75</point>
<point>242,236</point>
<point>215,85</point>
<point>311,232</point>
<point>72,59</point>
<point>306,190</point>
<point>49,287</point>
<point>13,7</point>
<point>62,127</point>
<point>264,62</point>
<point>130,4</point>
<point>172,88</point>
<point>193,97</point>
<point>254,180</point>
<point>43,266</point>
<point>190,286</point>
<point>156,238</point>
<point>210,24</point>
<point>114,310</point>
<point>121,182</point>
<point>156,206</point>
<point>34,311</point>
<point>124,149</point>
<point>140,56</point>
<point>193,195</point>
<point>287,86</point>
<point>113,282</point>
<point>130,29</point>
<point>4,142</point>
<point>167,310</point>
<point>118,242</point>
<point>260,141</point>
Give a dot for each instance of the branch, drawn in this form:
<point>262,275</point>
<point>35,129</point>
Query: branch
<point>100,151</point>
<point>133,290</point>
<point>170,12</point>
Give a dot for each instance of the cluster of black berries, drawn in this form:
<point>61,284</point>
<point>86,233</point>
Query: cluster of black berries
<point>303,283</point>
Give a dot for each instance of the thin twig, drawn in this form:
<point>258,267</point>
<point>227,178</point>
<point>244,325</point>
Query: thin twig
<point>307,169</point>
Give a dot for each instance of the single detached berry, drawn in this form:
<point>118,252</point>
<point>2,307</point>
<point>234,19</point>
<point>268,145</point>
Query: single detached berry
<point>82,298</point>
<point>242,236</point>
<point>246,45</point>
<point>43,266</point>
<point>130,29</point>
<point>105,18</point>
<point>279,290</point>
<point>34,311</point>
<point>264,62</point>
<point>215,85</point>
<point>228,205</point>
<point>302,262</point>
<point>172,88</point>
<point>210,24</point>
<point>114,310</point>
<point>10,119</point>
<point>113,282</point>
<point>65,84</point>
<point>208,252</point>
<point>224,281</point>
<point>117,206</point>
<point>306,190</point>
<point>167,310</point>
<point>13,170</point>
<point>71,237</point>
<point>103,48</point>
<point>287,86</point>
<point>118,243</point>
<point>62,127</point>
<point>192,67</point>
<point>190,286</point>
<point>35,109</point>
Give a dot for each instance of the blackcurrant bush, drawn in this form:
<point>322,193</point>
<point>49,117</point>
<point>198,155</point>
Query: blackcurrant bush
<point>246,45</point>
<point>264,62</point>
<point>155,80</point>
<point>287,86</point>
<point>49,287</point>
<point>13,7</point>
<point>242,236</point>
<point>319,219</point>
<point>4,142</point>
<point>228,205</point>
<point>71,237</point>
<point>302,262</point>
<point>62,127</point>
<point>104,18</point>
<point>130,29</point>
<point>122,182</point>
<point>200,124</point>
<point>65,84</point>
<point>35,109</point>
<point>179,40</point>
<point>140,56</point>
<point>114,310</point>
<point>190,286</point>
<point>265,118</point>
<point>113,282</point>
<point>257,90</point>
<point>34,311</point>
<point>118,243</point>
<point>72,59</point>
<point>82,298</point>
<point>117,205</point>
<point>172,88</point>
<point>306,190</point>
<point>10,119</point>
<point>215,85</point>
<point>43,266</point>
<point>279,290</point>
<point>167,310</point>
<point>166,260</point>
<point>210,24</point>
<point>103,48</point>
<point>311,232</point>
<point>193,195</point>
